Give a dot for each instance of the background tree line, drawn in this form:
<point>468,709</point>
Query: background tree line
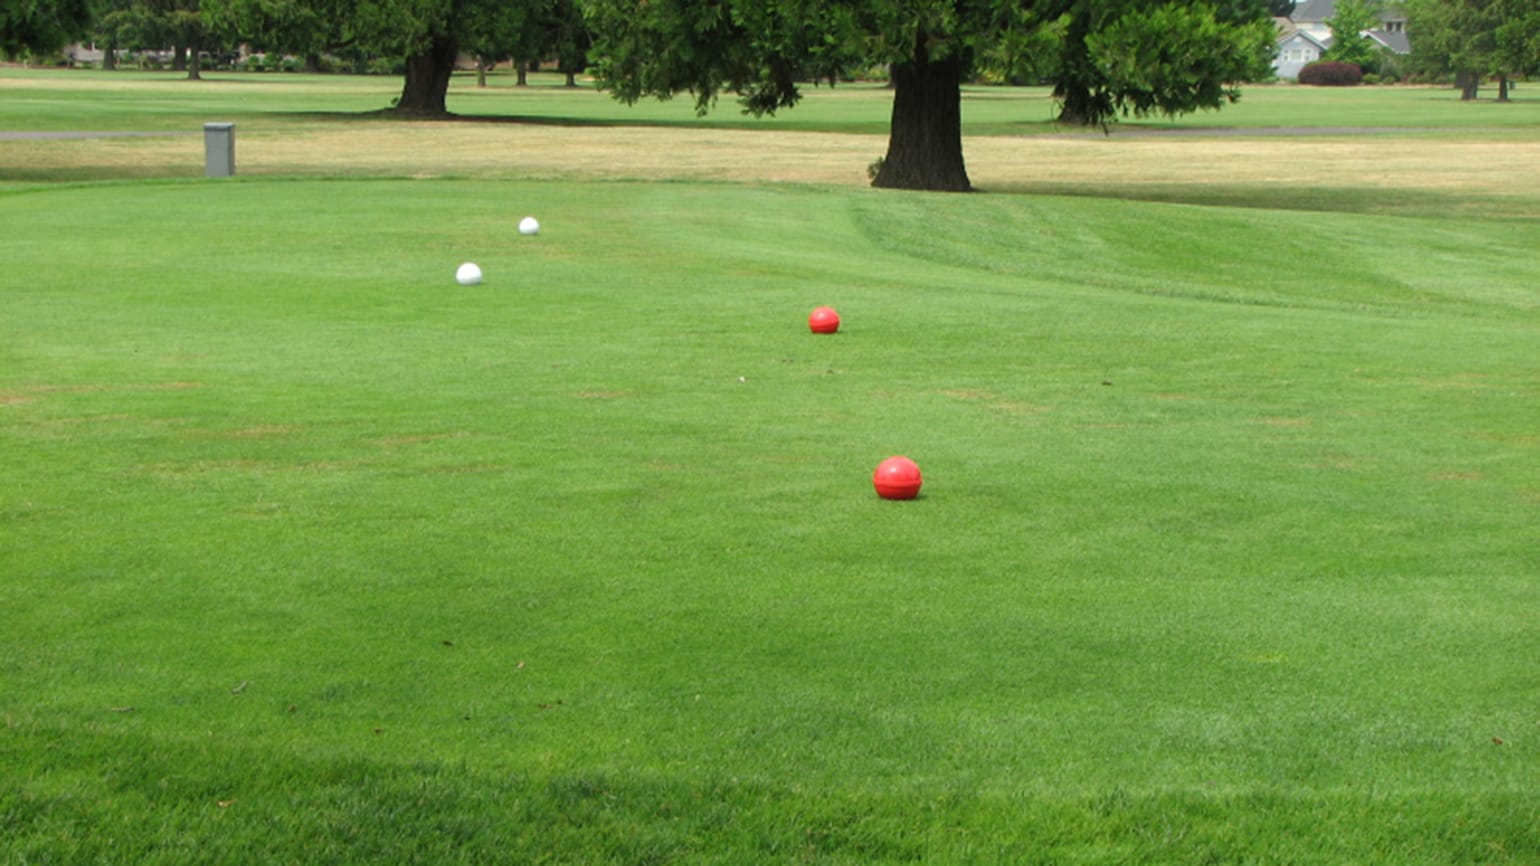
<point>1465,40</point>
<point>1106,59</point>
<point>1475,40</point>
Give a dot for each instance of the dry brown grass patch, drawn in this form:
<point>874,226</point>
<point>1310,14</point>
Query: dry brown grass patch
<point>1117,165</point>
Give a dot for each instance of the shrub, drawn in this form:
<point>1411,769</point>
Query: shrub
<point>386,66</point>
<point>1329,74</point>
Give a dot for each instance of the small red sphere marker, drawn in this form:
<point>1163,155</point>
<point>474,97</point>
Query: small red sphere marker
<point>824,320</point>
<point>897,478</point>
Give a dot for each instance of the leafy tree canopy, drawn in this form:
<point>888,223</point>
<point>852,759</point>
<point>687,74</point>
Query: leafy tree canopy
<point>1475,38</point>
<point>41,26</point>
<point>307,28</point>
<point>1348,42</point>
<point>1118,56</point>
<point>430,34</point>
<point>1127,57</point>
<point>185,26</point>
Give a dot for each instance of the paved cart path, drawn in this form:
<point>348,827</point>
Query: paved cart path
<point>1114,132</point>
<point>24,135</point>
<point>1259,131</point>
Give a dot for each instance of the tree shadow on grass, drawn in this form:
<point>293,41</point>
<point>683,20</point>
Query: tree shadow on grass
<point>778,124</point>
<point>1349,200</point>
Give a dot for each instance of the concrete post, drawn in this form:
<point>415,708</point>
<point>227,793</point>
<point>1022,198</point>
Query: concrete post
<point>218,149</point>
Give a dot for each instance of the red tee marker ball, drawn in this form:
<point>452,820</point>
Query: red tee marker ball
<point>824,320</point>
<point>897,478</point>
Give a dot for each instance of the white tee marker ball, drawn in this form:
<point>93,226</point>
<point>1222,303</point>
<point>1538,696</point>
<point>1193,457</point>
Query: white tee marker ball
<point>529,226</point>
<point>468,274</point>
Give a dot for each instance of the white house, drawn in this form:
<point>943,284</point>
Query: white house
<point>1312,15</point>
<point>1305,34</point>
<point>1295,49</point>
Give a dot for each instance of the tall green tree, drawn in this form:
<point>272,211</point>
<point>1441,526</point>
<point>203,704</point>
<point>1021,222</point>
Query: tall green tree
<point>305,28</point>
<point>567,39</point>
<point>1475,39</point>
<point>1518,42</point>
<point>191,32</point>
<point>1132,57</point>
<point>1349,21</point>
<point>762,50</point>
<point>430,34</point>
<point>497,32</point>
<point>182,26</point>
<point>1437,46</point>
<point>41,26</point>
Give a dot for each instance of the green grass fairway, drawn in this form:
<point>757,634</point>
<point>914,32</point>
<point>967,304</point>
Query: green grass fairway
<point>1226,553</point>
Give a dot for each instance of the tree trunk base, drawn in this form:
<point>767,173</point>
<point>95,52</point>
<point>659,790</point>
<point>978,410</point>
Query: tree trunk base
<point>425,92</point>
<point>1469,84</point>
<point>925,140</point>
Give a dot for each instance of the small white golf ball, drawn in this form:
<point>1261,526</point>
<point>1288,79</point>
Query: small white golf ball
<point>529,226</point>
<point>468,274</point>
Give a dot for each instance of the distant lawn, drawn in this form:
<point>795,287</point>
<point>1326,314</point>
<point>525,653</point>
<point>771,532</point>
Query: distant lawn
<point>1226,549</point>
<point>1281,147</point>
<point>61,99</point>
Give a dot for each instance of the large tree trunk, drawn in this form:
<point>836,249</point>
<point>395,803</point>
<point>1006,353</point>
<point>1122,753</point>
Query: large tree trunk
<point>925,139</point>
<point>1469,84</point>
<point>1502,88</point>
<point>427,79</point>
<point>195,58</point>
<point>1078,105</point>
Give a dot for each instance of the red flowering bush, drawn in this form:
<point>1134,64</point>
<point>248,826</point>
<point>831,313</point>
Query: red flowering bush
<point>1331,74</point>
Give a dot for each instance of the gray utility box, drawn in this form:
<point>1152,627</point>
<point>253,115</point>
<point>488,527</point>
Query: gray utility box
<point>218,149</point>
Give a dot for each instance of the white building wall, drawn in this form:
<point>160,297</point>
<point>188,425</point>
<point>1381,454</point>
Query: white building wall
<point>1293,53</point>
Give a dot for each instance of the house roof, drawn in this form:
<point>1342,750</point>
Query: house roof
<point>1322,43</point>
<point>1311,11</point>
<point>1396,42</point>
<point>1320,11</point>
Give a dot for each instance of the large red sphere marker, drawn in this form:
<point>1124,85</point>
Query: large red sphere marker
<point>897,478</point>
<point>824,320</point>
